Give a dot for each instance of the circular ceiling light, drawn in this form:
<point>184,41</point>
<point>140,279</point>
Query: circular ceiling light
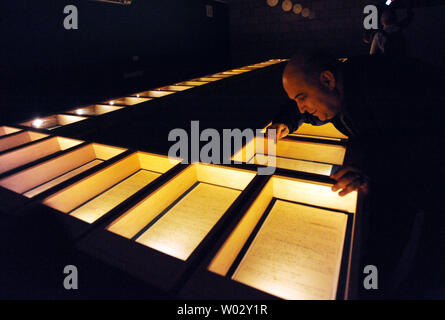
<point>297,8</point>
<point>272,3</point>
<point>305,12</point>
<point>287,5</point>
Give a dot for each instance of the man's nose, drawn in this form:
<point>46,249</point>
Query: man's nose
<point>301,107</point>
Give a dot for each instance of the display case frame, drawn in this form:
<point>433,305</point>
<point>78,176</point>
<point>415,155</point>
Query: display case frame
<point>75,127</point>
<point>206,284</point>
<point>154,267</point>
<point>99,110</point>
<point>21,157</point>
<point>105,178</point>
<point>336,156</point>
<point>13,191</point>
<point>19,138</point>
<point>8,130</point>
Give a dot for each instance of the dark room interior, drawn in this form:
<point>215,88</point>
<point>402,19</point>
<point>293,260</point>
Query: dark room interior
<point>92,92</point>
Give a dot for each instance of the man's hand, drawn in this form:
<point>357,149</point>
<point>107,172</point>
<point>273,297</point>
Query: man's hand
<point>281,131</point>
<point>349,179</point>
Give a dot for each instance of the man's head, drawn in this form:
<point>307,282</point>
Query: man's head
<point>388,17</point>
<point>312,81</point>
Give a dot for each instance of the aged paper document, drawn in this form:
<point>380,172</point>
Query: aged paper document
<point>296,254</point>
<point>94,209</point>
<point>294,164</point>
<point>183,227</point>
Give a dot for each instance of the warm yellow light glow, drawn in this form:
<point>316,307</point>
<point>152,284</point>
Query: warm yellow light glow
<point>327,131</point>
<point>19,139</point>
<point>290,154</point>
<point>43,187</point>
<point>21,156</point>
<point>156,93</point>
<point>293,164</point>
<point>38,123</point>
<point>41,177</point>
<point>175,88</point>
<point>110,186</point>
<point>193,83</point>
<point>7,130</point>
<point>272,3</point>
<point>93,110</point>
<point>297,8</point>
<point>96,208</point>
<point>207,79</point>
<point>297,251</point>
<point>305,12</point>
<point>53,121</point>
<point>180,230</point>
<point>128,101</point>
<point>286,5</point>
<point>296,254</point>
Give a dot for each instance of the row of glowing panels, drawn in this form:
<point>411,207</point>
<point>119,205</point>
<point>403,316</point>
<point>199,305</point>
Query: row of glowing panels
<point>80,114</point>
<point>205,193</point>
<point>307,156</point>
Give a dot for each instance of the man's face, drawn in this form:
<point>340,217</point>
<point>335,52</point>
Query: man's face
<point>314,97</point>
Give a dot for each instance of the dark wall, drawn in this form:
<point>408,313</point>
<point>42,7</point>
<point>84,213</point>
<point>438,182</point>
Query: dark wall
<point>115,50</point>
<point>258,31</point>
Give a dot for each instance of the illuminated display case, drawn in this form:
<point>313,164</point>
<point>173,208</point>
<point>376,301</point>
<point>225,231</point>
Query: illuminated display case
<point>175,88</point>
<point>326,132</point>
<point>52,122</point>
<point>153,93</point>
<point>295,240</point>
<point>158,238</point>
<point>223,231</point>
<point>4,130</point>
<point>126,101</point>
<point>293,154</point>
<point>240,70</point>
<point>40,179</point>
<point>19,138</point>
<point>233,72</point>
<point>206,79</point>
<point>39,149</point>
<point>74,126</point>
<point>221,75</point>
<point>94,110</point>
<point>90,199</point>
<point>192,83</point>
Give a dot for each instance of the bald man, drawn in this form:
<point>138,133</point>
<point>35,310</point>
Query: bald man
<point>376,101</point>
<point>391,111</point>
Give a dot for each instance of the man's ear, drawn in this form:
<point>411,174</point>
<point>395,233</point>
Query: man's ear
<point>327,79</point>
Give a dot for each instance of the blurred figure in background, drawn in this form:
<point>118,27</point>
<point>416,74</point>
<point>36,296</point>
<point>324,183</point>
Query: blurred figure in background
<point>390,40</point>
